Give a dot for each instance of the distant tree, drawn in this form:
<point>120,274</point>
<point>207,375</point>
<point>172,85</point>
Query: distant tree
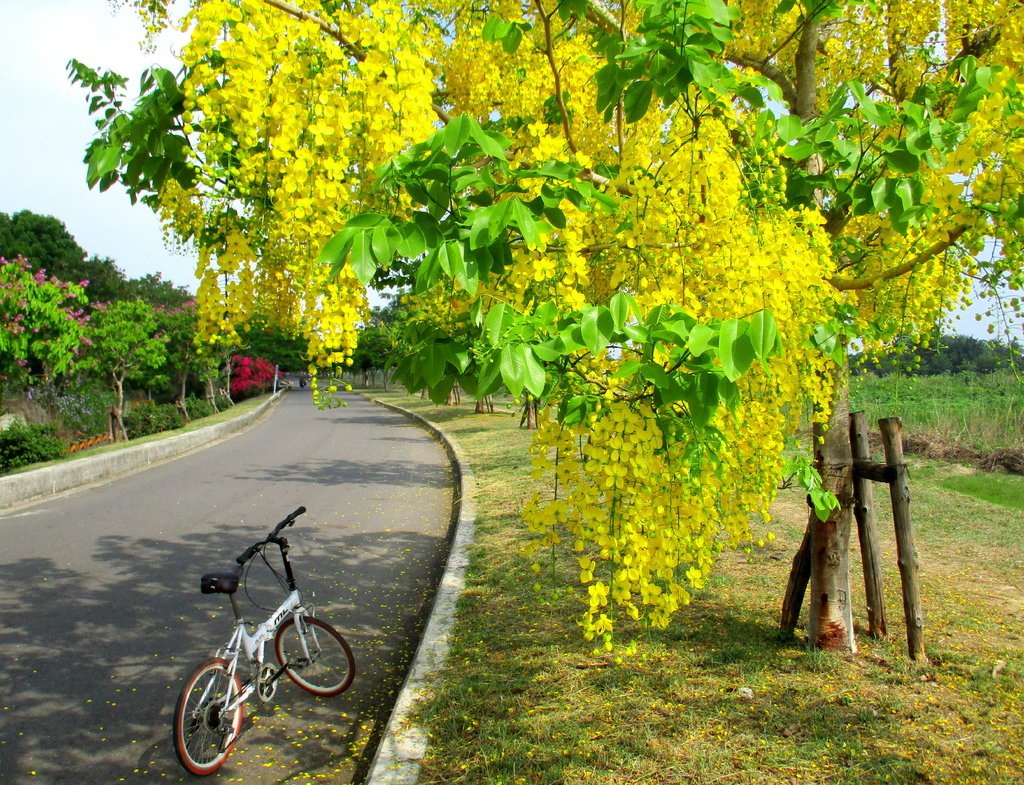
<point>125,341</point>
<point>276,345</point>
<point>950,354</point>
<point>44,241</point>
<point>184,360</point>
<point>373,352</point>
<point>41,322</point>
<point>157,292</point>
<point>48,245</point>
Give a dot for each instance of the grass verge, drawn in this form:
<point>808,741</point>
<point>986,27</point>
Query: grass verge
<point>525,700</point>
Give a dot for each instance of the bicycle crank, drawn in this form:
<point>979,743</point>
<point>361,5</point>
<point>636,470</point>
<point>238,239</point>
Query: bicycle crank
<point>266,683</point>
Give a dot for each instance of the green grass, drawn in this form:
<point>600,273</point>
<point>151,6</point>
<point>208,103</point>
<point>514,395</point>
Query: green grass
<point>979,412</point>
<point>525,700</point>
<point>1004,489</point>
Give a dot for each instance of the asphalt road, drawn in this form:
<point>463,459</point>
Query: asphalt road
<point>101,617</point>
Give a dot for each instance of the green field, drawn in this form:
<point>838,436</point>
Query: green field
<point>980,412</point>
<point>525,700</point>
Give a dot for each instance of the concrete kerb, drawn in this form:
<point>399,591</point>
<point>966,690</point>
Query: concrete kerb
<point>404,744</point>
<point>38,484</point>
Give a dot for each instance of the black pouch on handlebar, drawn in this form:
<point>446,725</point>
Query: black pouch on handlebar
<point>220,582</point>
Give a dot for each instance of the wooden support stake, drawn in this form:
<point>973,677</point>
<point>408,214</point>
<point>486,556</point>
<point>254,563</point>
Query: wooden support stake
<point>864,511</point>
<point>892,441</point>
<point>799,576</point>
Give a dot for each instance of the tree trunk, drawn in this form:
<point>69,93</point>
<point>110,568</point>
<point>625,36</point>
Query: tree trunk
<point>211,395</point>
<point>181,400</point>
<point>529,418</point>
<point>117,410</point>
<point>830,623</point>
<point>824,555</point>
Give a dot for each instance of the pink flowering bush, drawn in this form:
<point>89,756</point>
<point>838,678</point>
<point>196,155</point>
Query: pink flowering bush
<point>250,376</point>
<point>42,321</point>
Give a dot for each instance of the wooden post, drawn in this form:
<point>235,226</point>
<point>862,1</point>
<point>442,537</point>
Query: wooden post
<point>864,511</point>
<point>892,440</point>
<point>799,576</point>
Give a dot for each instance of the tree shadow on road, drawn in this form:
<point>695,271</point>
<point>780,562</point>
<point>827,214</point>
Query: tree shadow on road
<point>91,683</point>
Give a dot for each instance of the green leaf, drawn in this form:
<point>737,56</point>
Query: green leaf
<point>655,374</point>
<point>491,144</point>
<point>637,99</point>
<point>620,305</point>
<point>790,127</point>
<point>902,160</point>
<point>526,223</point>
<point>361,259</point>
<point>764,335</point>
<point>700,339</point>
<point>412,241</point>
<point>557,170</point>
<point>456,134</point>
<point>335,250</point>
<point>627,369</point>
<point>596,328</point>
<point>879,193</point>
<point>428,273</point>
<point>512,364</point>
<point>534,377</point>
<point>495,323</point>
<point>510,43</point>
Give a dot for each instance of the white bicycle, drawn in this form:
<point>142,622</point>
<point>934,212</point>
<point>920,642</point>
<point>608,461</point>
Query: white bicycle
<point>208,715</point>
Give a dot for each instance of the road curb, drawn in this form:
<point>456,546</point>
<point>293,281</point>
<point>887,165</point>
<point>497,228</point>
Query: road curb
<point>39,484</point>
<point>404,744</point>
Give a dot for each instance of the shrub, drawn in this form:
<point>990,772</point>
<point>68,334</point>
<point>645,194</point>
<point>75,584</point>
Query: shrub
<point>250,376</point>
<point>149,417</point>
<point>22,444</point>
<point>198,407</point>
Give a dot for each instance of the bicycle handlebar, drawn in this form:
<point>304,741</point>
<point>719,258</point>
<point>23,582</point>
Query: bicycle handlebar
<point>272,537</point>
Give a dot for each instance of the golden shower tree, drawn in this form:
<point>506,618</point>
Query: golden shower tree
<point>663,219</point>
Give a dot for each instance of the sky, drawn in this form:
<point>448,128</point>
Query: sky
<point>46,127</point>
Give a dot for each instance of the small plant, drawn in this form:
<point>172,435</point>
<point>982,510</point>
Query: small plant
<point>22,444</point>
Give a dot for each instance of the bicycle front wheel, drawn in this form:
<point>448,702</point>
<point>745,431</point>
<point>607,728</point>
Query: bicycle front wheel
<point>204,733</point>
<point>315,656</point>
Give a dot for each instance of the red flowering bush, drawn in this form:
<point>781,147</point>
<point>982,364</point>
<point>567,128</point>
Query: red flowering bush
<point>250,376</point>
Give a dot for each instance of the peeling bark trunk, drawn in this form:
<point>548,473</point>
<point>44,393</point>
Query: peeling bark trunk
<point>211,395</point>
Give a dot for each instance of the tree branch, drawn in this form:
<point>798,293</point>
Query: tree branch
<point>549,50</point>
<point>940,246</point>
<point>771,72</point>
<point>333,31</point>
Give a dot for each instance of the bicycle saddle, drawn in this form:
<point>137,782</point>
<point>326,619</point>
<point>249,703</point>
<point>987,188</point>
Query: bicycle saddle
<point>220,582</point>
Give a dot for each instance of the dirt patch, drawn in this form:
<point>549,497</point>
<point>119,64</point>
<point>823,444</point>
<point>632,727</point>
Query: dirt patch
<point>1007,460</point>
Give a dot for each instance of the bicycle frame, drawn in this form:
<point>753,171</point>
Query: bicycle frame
<point>252,644</point>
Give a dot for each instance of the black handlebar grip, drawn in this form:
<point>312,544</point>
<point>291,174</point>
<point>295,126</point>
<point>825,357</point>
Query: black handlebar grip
<point>297,513</point>
<point>247,553</point>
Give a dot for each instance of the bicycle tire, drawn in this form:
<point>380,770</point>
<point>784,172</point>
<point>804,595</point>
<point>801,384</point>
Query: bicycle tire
<point>202,738</point>
<point>332,668</point>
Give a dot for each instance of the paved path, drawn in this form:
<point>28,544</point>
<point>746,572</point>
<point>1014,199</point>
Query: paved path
<point>101,617</point>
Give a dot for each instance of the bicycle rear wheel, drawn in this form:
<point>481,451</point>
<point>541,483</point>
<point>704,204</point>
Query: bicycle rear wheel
<point>315,656</point>
<point>204,734</point>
